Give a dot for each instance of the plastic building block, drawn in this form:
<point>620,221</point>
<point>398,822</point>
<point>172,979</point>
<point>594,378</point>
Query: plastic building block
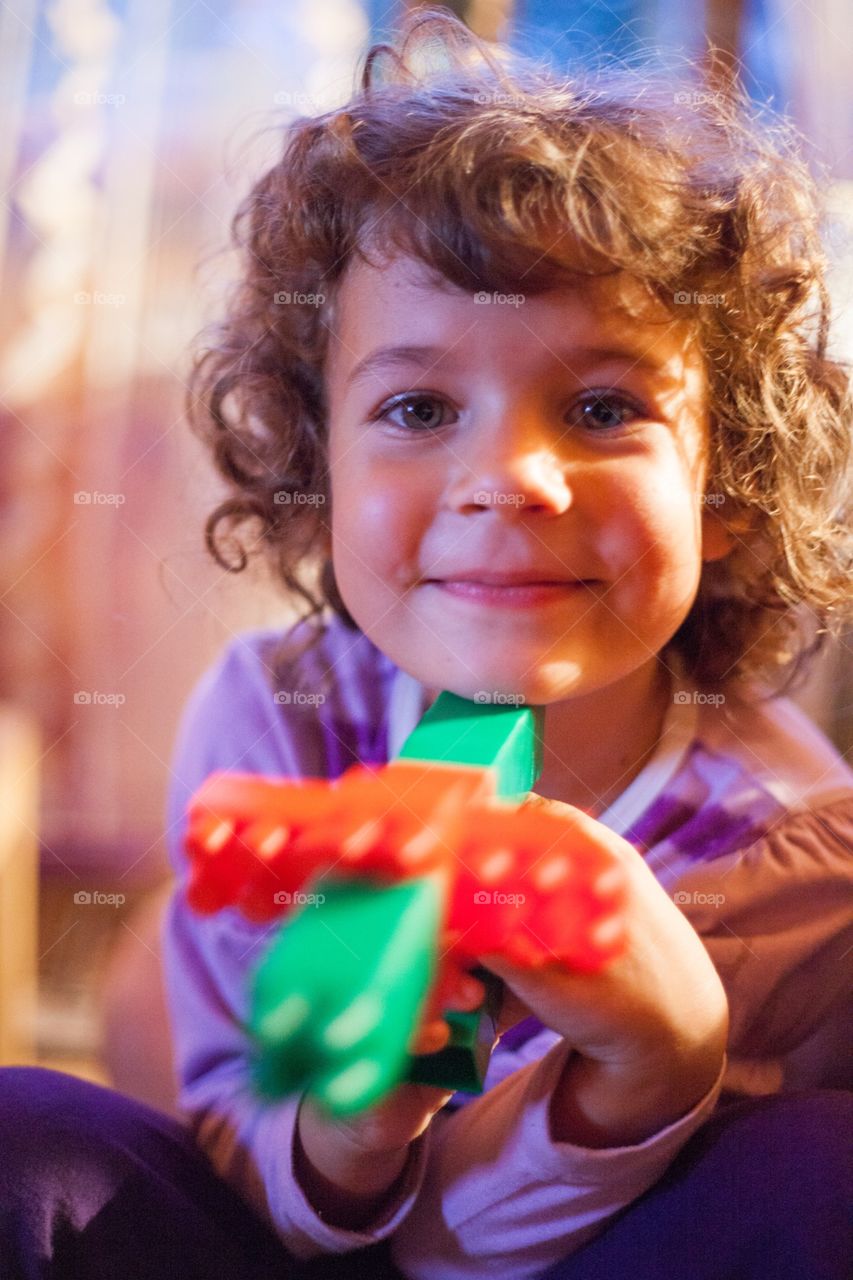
<point>350,1009</point>
<point>488,735</point>
<point>395,879</point>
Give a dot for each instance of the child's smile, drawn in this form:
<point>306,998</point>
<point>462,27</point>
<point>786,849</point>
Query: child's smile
<point>516,486</point>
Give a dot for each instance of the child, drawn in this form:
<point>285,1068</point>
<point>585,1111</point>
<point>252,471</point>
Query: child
<point>624,504</point>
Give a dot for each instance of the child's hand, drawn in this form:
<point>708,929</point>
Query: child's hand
<point>648,1031</point>
<point>392,1124</point>
<point>348,1166</point>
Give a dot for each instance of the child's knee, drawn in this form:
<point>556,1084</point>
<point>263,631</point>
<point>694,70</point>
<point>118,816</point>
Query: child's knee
<point>785,1128</point>
<point>785,1161</point>
<point>809,1137</point>
<point>49,1125</point>
<point>54,1126</point>
<point>30,1098</point>
<point>802,1163</point>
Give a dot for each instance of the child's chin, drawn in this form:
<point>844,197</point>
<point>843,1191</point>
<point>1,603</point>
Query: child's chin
<point>492,675</point>
<point>531,689</point>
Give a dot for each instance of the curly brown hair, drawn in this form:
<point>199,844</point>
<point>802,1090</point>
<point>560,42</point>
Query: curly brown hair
<point>465,156</point>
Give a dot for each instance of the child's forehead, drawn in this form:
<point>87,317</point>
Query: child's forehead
<point>402,273</point>
<point>399,297</point>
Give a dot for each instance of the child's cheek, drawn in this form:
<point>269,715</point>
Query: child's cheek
<point>651,544</point>
<point>374,539</point>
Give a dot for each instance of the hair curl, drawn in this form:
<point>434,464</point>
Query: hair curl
<point>465,157</point>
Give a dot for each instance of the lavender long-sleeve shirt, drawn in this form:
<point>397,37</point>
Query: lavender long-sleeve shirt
<point>745,814</point>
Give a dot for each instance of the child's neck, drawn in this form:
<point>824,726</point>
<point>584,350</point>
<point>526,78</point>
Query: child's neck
<point>596,744</point>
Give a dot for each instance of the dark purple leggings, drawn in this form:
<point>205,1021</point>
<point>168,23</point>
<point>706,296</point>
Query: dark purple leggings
<point>95,1186</point>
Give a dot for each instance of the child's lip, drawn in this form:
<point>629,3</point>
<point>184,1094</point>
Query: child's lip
<point>515,594</point>
<point>523,578</point>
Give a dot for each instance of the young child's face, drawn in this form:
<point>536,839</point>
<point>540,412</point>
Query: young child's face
<point>495,458</point>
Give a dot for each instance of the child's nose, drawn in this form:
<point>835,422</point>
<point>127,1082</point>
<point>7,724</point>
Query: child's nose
<point>518,480</point>
<point>515,457</point>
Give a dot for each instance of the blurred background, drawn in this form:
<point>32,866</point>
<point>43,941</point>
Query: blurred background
<point>130,129</point>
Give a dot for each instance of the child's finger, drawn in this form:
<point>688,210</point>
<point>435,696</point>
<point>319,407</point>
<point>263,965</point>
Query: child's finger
<point>430,1037</point>
<point>467,994</point>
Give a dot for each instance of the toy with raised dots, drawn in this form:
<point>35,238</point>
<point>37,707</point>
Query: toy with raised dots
<point>390,880</point>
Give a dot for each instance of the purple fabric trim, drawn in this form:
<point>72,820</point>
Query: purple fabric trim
<point>663,817</point>
<point>523,1031</point>
<point>693,817</point>
<point>347,744</point>
<point>714,832</point>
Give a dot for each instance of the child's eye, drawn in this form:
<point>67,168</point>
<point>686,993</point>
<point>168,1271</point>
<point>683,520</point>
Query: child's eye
<point>418,412</point>
<point>603,411</point>
<point>596,411</point>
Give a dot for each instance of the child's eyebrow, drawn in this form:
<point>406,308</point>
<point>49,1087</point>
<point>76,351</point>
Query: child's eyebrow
<point>635,356</point>
<point>391,357</point>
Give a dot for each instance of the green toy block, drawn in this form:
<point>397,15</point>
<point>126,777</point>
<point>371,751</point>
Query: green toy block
<point>356,969</point>
<point>507,739</point>
<point>490,735</point>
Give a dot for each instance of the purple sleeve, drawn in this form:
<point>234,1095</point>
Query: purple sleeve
<point>232,721</point>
